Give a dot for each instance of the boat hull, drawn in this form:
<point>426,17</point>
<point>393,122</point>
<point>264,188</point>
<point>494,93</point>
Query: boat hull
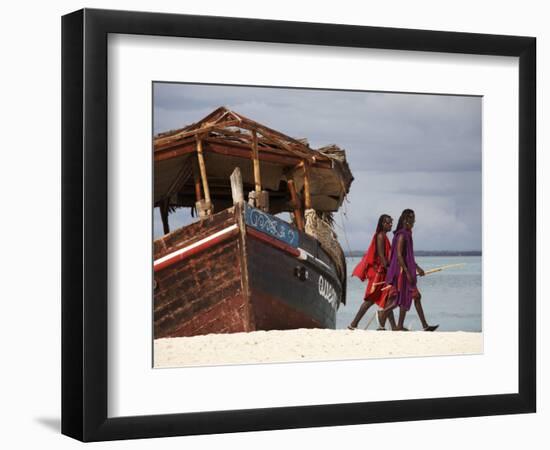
<point>242,270</point>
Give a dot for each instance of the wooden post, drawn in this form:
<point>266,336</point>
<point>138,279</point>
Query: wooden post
<point>202,168</point>
<point>196,178</point>
<point>237,186</point>
<point>307,191</point>
<point>256,161</point>
<point>296,205</point>
<point>164,215</point>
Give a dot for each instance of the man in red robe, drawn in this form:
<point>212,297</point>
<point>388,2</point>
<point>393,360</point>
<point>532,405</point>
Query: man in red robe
<point>373,267</point>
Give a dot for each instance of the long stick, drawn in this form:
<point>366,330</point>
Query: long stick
<point>370,320</point>
<point>439,269</point>
<point>427,272</point>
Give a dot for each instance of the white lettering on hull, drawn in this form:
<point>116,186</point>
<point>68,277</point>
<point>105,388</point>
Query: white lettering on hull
<point>327,292</point>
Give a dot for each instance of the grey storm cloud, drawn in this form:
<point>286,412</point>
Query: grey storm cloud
<point>416,151</point>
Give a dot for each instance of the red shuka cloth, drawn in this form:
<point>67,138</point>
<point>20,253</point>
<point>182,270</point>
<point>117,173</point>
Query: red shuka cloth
<point>371,268</point>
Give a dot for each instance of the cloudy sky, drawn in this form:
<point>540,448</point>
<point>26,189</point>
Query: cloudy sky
<point>413,151</point>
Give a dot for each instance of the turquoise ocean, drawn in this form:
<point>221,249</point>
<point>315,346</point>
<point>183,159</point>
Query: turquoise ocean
<point>451,298</point>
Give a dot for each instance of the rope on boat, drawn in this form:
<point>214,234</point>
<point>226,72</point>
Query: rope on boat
<point>322,230</point>
<point>343,228</point>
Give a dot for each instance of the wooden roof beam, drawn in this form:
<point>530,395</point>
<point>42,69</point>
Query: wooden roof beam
<point>163,141</point>
<point>224,148</point>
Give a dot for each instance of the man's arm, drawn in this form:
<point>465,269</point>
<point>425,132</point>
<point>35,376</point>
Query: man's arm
<point>400,259</point>
<point>380,248</point>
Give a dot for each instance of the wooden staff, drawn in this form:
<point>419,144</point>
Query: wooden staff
<point>427,272</point>
<point>439,269</point>
<point>370,320</point>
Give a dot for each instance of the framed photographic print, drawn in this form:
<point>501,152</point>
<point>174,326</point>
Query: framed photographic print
<point>258,215</point>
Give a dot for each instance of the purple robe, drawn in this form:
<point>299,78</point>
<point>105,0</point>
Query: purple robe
<point>400,284</point>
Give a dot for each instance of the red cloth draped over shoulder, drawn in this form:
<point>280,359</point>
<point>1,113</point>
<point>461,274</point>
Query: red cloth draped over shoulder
<point>371,259</point>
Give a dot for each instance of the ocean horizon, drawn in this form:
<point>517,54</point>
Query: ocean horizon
<point>451,298</point>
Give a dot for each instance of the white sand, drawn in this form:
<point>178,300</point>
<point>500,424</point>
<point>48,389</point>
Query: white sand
<point>310,345</point>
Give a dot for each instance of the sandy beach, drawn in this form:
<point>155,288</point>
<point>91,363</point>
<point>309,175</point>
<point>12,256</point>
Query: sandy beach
<point>310,345</point>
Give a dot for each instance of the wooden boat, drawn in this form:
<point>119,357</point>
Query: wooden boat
<point>243,268</point>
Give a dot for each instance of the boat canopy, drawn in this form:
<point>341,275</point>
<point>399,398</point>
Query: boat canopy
<point>196,161</point>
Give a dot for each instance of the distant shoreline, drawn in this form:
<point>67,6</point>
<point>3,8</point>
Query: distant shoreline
<point>359,253</point>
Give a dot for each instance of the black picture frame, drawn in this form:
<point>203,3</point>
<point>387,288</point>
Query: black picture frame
<point>84,224</point>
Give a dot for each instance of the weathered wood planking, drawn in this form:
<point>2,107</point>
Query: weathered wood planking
<point>192,233</point>
<point>201,295</point>
<point>194,295</point>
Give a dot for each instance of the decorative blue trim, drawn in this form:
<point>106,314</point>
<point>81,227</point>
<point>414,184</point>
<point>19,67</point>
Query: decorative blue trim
<point>271,225</point>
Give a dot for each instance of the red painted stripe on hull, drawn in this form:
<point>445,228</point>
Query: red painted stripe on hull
<point>272,241</point>
<point>180,255</point>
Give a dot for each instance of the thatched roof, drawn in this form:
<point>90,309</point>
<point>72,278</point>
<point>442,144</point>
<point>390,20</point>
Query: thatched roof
<point>227,141</point>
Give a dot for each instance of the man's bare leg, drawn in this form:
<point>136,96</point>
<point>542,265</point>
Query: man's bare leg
<point>402,314</point>
<point>362,310</point>
<point>421,316</point>
<point>383,315</point>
